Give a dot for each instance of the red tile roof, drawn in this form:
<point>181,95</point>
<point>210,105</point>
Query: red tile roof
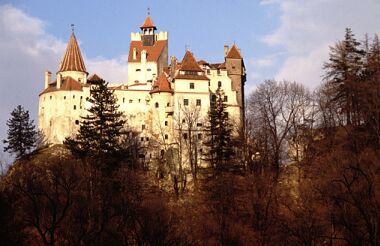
<point>94,79</point>
<point>148,23</point>
<point>153,52</point>
<point>67,84</point>
<point>233,53</point>
<point>222,66</point>
<point>161,84</point>
<point>72,60</point>
<point>202,62</point>
<point>191,77</point>
<point>189,63</point>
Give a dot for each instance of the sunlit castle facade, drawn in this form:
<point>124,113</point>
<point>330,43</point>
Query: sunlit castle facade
<point>159,100</point>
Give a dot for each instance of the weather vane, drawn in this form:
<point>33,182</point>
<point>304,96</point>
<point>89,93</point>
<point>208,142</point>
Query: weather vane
<point>72,27</point>
<point>148,9</point>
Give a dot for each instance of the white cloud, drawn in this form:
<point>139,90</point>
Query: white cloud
<point>307,28</point>
<point>112,70</point>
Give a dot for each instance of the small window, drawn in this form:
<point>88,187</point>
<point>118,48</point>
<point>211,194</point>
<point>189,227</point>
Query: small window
<point>138,70</point>
<point>146,139</point>
<point>143,127</point>
<point>142,139</point>
<point>76,122</point>
<point>64,98</point>
<point>183,120</point>
<point>225,99</point>
<point>156,105</point>
<point>166,136</point>
<point>199,102</point>
<point>123,100</point>
<point>166,123</point>
<point>79,80</point>
<point>168,105</point>
<point>213,98</point>
<point>199,124</point>
<point>81,97</point>
<point>130,101</point>
<point>201,151</point>
<point>75,107</point>
<point>50,97</point>
<point>186,102</point>
<point>208,71</point>
<point>185,135</point>
<point>199,136</point>
<point>162,153</point>
<point>191,85</point>
<point>218,72</point>
<point>149,70</point>
<point>209,83</point>
<point>73,96</point>
<point>139,100</point>
<point>219,83</point>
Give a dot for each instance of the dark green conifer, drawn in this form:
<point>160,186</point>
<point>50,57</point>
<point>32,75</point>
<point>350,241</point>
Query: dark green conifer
<point>102,129</point>
<point>22,135</point>
<point>219,134</point>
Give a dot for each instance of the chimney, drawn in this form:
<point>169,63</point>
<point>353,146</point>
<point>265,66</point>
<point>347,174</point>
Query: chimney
<point>59,80</point>
<point>143,56</point>
<point>173,65</point>
<point>134,53</point>
<point>226,49</point>
<point>47,79</point>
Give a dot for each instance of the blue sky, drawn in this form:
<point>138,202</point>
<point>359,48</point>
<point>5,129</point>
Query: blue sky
<point>282,39</point>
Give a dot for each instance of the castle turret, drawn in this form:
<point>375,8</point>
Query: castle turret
<point>72,63</point>
<point>236,71</point>
<point>147,32</point>
<point>148,54</point>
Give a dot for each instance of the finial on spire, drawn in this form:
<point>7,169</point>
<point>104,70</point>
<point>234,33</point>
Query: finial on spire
<point>148,9</point>
<point>72,27</point>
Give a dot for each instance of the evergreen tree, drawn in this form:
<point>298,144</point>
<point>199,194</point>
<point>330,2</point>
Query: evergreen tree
<point>102,129</point>
<point>219,131</point>
<point>22,135</point>
<point>343,73</point>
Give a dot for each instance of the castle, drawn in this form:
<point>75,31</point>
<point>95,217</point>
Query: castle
<point>160,101</point>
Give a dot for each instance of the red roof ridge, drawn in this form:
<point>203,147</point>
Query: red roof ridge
<point>234,53</point>
<point>72,60</point>
<point>148,23</point>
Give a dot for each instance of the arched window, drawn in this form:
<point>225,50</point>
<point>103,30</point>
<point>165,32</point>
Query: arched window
<point>156,105</point>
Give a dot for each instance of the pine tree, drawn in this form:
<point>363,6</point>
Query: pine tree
<point>22,135</point>
<point>102,129</point>
<point>343,73</point>
<point>219,131</point>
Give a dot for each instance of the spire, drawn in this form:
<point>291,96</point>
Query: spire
<point>72,61</point>
<point>148,23</point>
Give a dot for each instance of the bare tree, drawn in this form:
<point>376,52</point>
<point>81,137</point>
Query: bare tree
<point>188,134</point>
<point>275,109</point>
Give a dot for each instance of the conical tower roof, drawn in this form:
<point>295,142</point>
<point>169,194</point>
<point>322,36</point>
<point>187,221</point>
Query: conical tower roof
<point>72,61</point>
<point>148,23</point>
